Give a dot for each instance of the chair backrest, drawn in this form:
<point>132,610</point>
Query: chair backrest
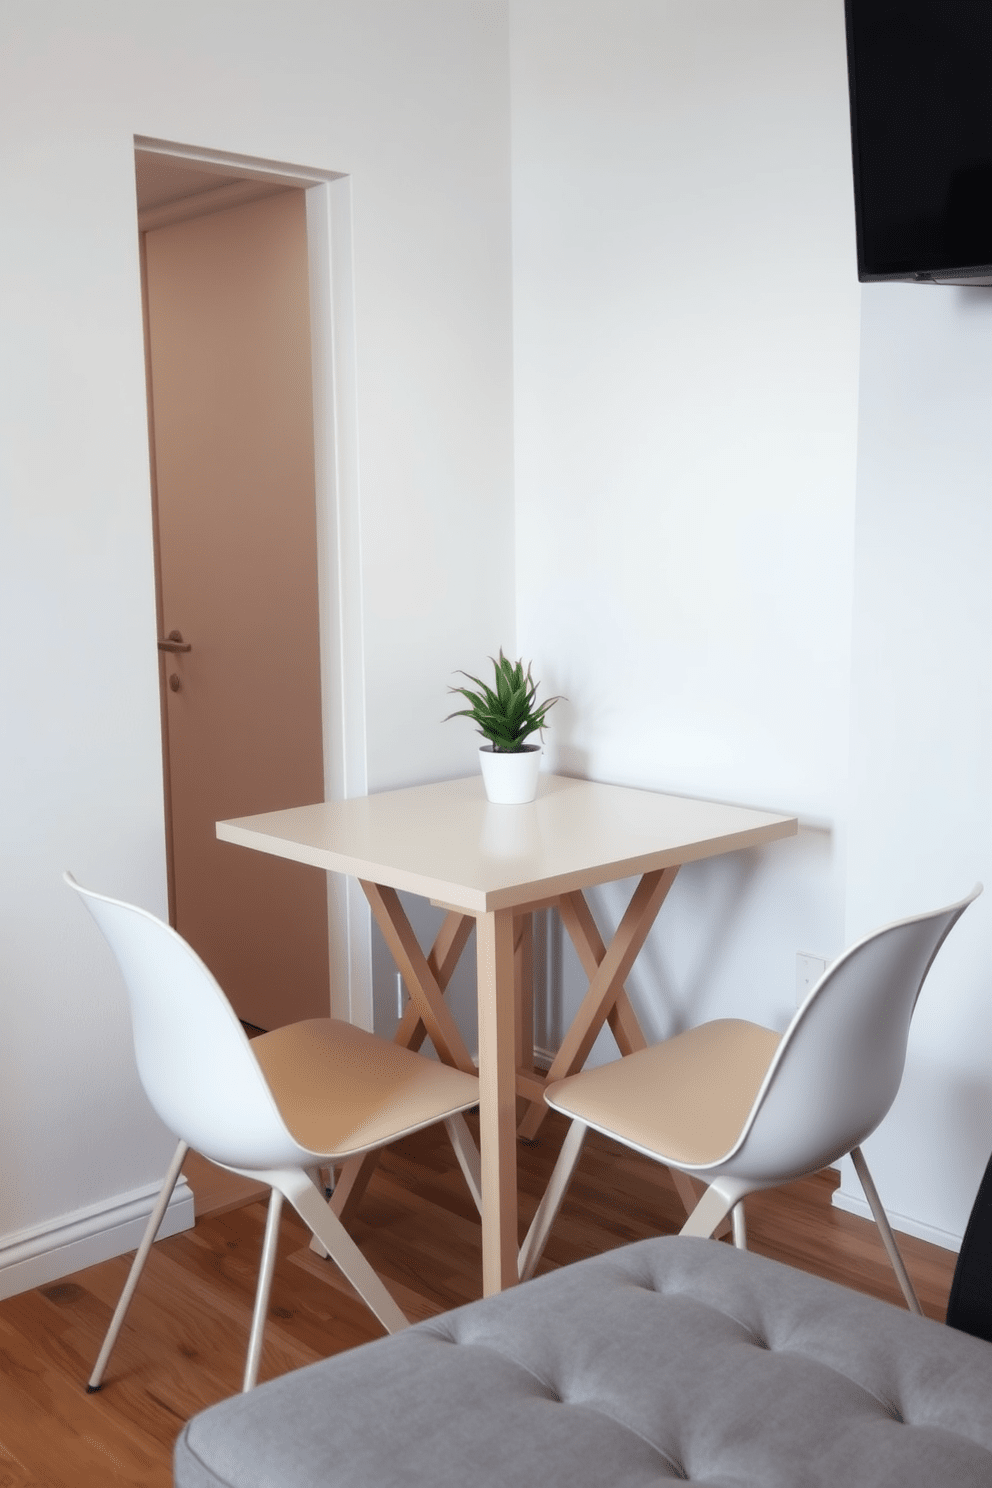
<point>838,1067</point>
<point>193,1056</point>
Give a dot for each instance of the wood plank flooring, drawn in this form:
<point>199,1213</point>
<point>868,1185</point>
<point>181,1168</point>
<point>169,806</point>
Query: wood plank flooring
<point>184,1343</point>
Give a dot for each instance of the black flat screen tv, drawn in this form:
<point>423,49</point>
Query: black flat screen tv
<point>920,77</point>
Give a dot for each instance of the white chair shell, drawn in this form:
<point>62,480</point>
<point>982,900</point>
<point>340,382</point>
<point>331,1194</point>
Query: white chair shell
<point>796,1103</point>
<point>208,1086</point>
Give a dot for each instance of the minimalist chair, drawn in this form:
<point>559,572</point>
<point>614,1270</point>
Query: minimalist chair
<point>278,1108</point>
<point>743,1108</point>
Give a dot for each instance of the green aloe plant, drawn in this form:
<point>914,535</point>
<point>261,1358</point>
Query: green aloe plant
<point>508,713</point>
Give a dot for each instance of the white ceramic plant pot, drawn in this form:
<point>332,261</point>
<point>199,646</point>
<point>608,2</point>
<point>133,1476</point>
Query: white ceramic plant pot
<point>510,779</point>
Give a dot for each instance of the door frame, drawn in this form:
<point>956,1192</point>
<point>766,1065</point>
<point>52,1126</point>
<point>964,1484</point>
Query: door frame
<point>339,548</point>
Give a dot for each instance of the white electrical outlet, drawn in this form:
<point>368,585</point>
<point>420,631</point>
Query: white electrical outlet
<point>809,970</point>
<point>400,995</point>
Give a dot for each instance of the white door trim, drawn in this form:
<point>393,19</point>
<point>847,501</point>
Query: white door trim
<point>339,569</point>
<point>339,551</point>
<point>250,167</point>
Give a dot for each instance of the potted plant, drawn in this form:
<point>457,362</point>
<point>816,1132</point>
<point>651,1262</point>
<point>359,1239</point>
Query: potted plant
<point>506,715</point>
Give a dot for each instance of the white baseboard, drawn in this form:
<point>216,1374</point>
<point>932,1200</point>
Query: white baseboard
<point>900,1222</point>
<point>71,1242</point>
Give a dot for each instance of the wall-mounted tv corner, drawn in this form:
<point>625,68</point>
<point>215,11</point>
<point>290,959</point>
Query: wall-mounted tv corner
<point>920,76</point>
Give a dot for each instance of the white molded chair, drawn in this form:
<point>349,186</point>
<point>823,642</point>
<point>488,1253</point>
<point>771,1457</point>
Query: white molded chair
<point>277,1108</point>
<point>743,1108</point>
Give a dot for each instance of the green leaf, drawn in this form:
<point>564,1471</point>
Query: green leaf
<point>509,712</point>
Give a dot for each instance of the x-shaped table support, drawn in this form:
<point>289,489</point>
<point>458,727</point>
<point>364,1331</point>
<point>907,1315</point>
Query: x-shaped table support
<point>505,957</point>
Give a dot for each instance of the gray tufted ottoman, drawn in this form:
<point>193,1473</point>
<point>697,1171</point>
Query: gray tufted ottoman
<point>674,1359</point>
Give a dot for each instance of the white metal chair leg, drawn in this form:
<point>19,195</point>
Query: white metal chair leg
<point>138,1264</point>
<point>885,1230</point>
<point>313,1208</point>
<point>714,1206</point>
<point>547,1210</point>
<point>740,1228</point>
<point>263,1290</point>
<point>467,1154</point>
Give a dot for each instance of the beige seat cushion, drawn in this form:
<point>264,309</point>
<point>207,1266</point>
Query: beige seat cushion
<point>341,1090</point>
<point>684,1100</point>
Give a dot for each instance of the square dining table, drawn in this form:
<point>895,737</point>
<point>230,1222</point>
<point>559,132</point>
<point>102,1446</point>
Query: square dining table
<point>490,867</point>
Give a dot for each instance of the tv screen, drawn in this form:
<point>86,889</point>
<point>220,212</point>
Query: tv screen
<point>920,76</point>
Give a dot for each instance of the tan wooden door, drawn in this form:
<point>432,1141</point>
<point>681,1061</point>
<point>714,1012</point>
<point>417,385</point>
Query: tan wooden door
<point>228,330</point>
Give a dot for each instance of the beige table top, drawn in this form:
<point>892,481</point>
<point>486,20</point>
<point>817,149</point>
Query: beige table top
<point>447,842</point>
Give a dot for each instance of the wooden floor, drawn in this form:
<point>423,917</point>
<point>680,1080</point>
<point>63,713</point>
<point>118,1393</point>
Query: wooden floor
<point>184,1343</point>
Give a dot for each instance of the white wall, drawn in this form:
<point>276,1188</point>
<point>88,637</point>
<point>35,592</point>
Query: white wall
<point>753,553</point>
<point>412,102</point>
<point>686,344</point>
<point>685,376</point>
<point>921,739</point>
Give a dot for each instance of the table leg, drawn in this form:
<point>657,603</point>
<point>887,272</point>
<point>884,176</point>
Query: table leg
<point>497,1099</point>
<point>606,983</point>
<point>446,951</point>
<point>426,980</point>
<point>523,971</point>
<point>420,979</point>
<point>584,934</point>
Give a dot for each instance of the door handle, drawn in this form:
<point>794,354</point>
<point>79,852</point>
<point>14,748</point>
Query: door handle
<point>175,642</point>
